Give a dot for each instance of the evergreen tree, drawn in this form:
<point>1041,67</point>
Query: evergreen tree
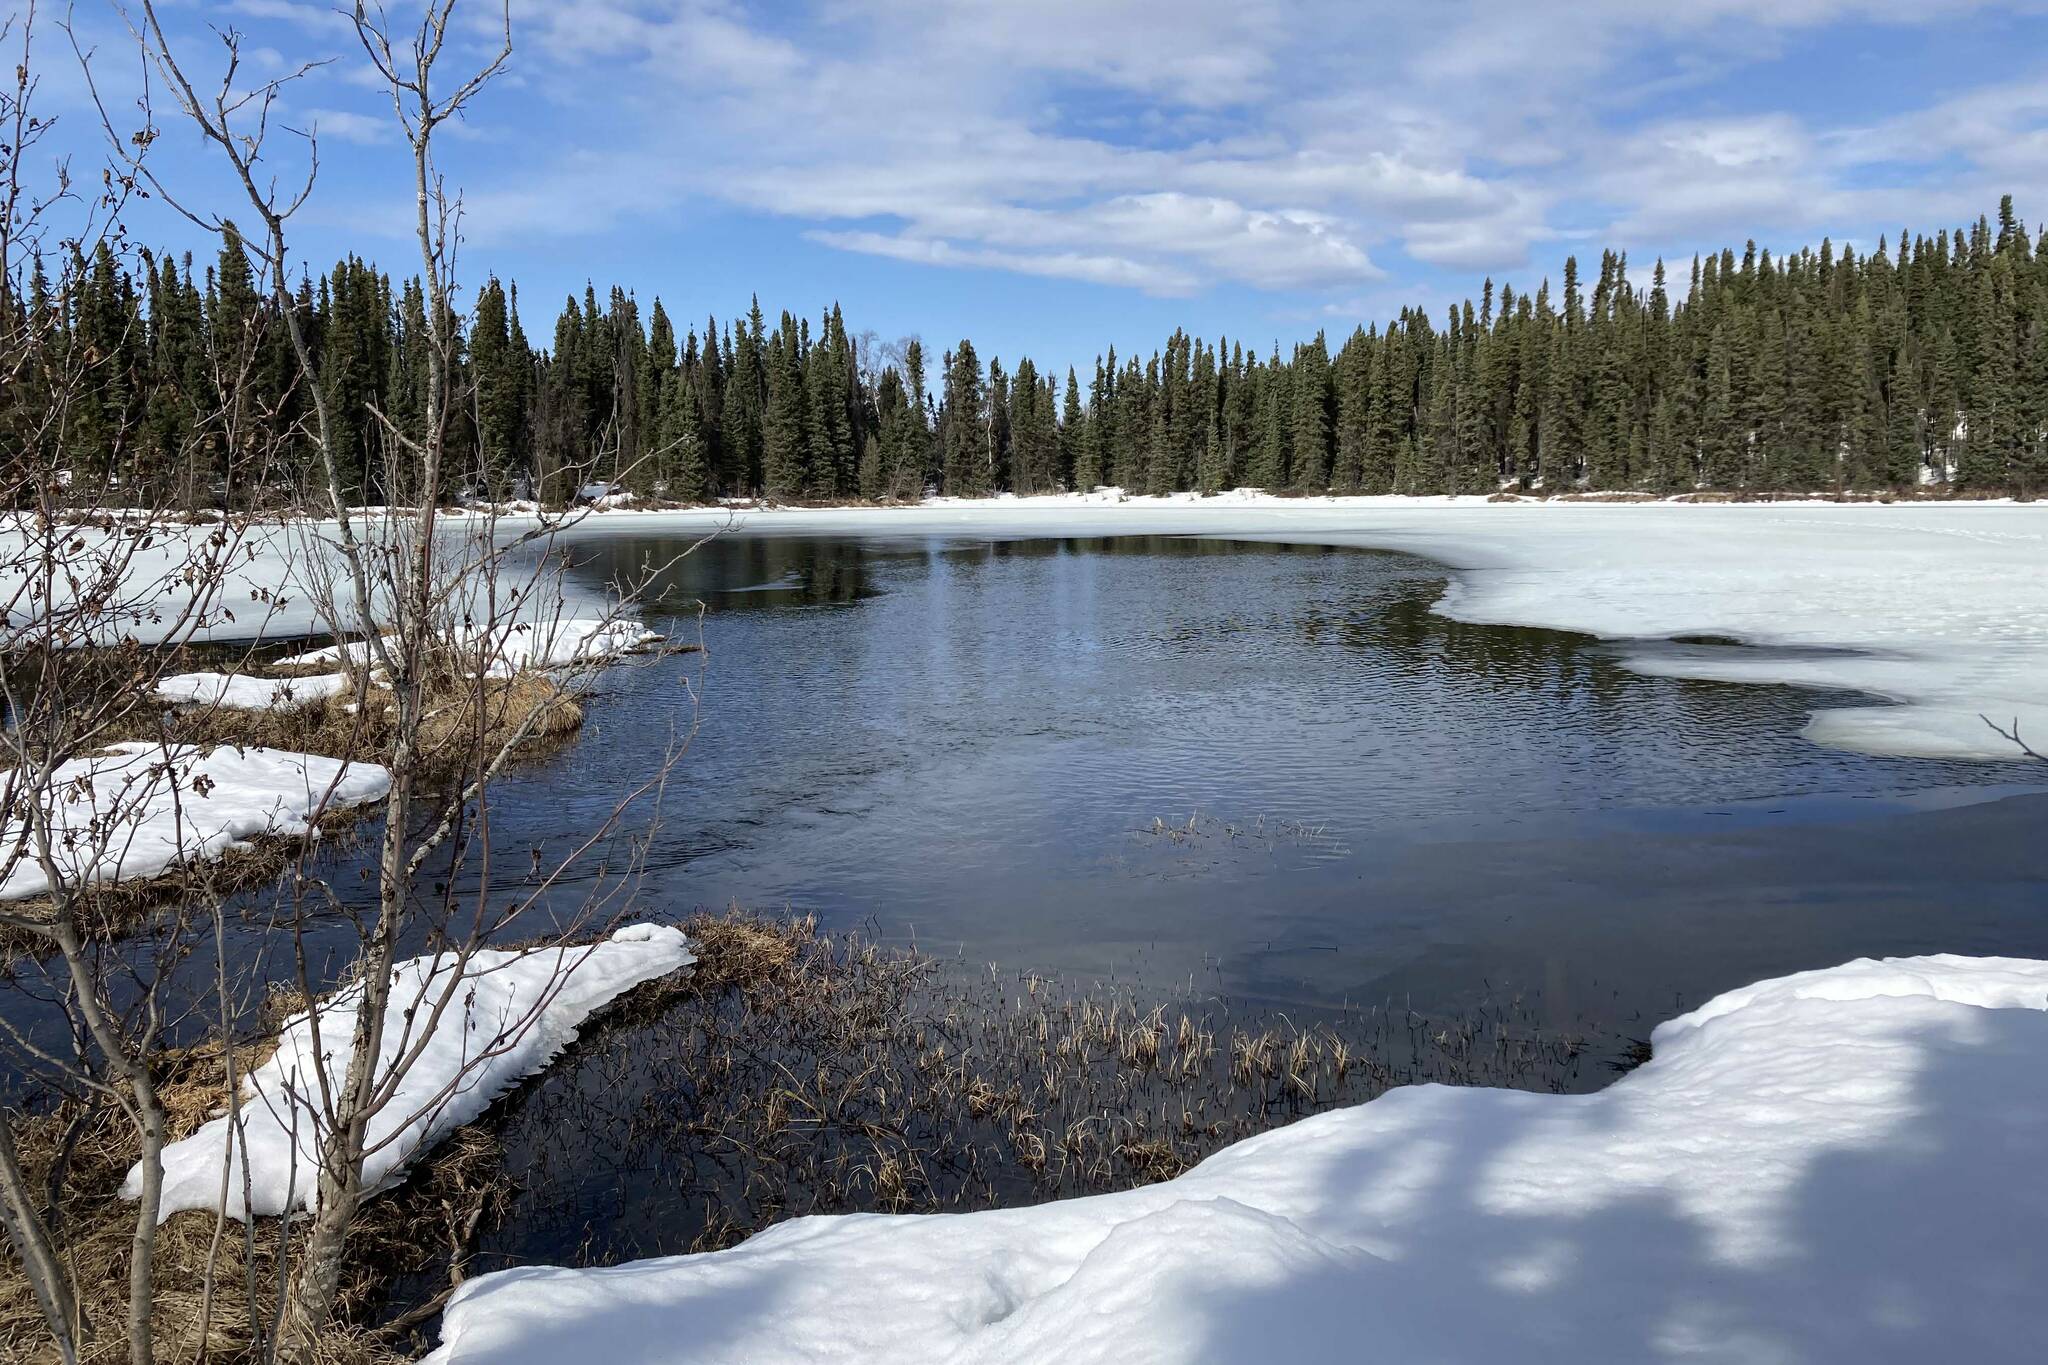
<point>1309,430</point>
<point>963,426</point>
<point>785,466</point>
<point>1073,433</point>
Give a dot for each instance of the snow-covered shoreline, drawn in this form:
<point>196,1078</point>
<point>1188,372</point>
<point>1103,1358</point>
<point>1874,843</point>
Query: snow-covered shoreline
<point>1837,1165</point>
<point>511,647</point>
<point>1940,609</point>
<point>137,809</point>
<point>507,1017</point>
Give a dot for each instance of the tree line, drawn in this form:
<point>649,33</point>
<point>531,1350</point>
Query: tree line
<point>1922,362</point>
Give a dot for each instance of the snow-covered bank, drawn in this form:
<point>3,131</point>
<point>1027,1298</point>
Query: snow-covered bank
<point>558,644</point>
<point>512,646</point>
<point>1839,1165</point>
<point>509,1015</point>
<point>141,807</point>
<point>1940,608</point>
<point>242,692</point>
<point>265,579</point>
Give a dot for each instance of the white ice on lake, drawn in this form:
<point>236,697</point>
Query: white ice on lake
<point>1938,611</point>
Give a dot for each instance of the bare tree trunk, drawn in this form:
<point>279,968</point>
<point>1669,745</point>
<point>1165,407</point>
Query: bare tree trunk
<point>31,1240</point>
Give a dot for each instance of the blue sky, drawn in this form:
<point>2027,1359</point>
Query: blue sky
<point>1055,177</point>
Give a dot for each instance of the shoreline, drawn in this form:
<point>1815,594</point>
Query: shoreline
<point>1937,609</point>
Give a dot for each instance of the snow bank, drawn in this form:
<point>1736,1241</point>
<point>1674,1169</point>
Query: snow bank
<point>245,693</point>
<point>356,652</point>
<point>185,583</point>
<point>512,646</point>
<point>509,1015</point>
<point>142,807</point>
<point>1840,1165</point>
<point>557,644</point>
<point>1938,608</point>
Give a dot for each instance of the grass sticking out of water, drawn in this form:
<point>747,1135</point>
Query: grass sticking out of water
<point>837,1076</point>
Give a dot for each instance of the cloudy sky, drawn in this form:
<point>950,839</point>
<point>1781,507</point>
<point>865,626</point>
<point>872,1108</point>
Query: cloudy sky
<point>1056,176</point>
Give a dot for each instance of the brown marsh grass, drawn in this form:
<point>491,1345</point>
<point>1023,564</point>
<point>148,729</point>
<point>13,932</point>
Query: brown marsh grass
<point>849,1078</point>
<point>790,1072</point>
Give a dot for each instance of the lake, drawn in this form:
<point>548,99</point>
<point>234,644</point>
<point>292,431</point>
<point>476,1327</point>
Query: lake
<point>1260,771</point>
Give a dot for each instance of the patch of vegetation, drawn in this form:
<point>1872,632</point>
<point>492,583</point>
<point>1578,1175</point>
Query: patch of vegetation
<point>798,1073</point>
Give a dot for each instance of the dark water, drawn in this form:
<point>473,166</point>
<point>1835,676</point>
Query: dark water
<point>1262,771</point>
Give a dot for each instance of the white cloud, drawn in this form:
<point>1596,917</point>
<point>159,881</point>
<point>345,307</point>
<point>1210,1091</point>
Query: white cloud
<point>1066,265</point>
<point>342,125</point>
<point>1305,147</point>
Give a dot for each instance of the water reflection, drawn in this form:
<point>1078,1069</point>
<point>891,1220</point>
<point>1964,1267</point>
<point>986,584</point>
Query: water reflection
<point>1268,769</point>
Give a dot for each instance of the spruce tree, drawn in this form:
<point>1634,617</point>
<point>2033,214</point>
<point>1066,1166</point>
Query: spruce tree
<point>1309,430</point>
<point>963,425</point>
<point>1073,434</point>
<point>785,464</point>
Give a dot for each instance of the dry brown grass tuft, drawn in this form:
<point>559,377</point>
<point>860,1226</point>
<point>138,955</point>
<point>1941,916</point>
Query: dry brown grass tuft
<point>203,1269</point>
<point>463,720</point>
<point>806,1074</point>
<point>734,949</point>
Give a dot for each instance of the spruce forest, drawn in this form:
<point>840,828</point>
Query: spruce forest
<point>1922,363</point>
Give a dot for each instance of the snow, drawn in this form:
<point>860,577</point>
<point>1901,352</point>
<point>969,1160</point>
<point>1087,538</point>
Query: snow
<point>140,807</point>
<point>509,1014</point>
<point>243,692</point>
<point>1840,1165</point>
<point>254,577</point>
<point>1938,609</point>
<point>356,652</point>
<point>515,645</point>
<point>557,644</point>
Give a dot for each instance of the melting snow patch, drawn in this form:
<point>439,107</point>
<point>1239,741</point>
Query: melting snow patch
<point>526,644</point>
<point>142,807</point>
<point>556,644</point>
<point>506,1016</point>
<point>1840,1165</point>
<point>245,693</point>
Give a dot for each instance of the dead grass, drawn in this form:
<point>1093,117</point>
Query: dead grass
<point>204,1271</point>
<point>462,720</point>
<point>790,1072</point>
